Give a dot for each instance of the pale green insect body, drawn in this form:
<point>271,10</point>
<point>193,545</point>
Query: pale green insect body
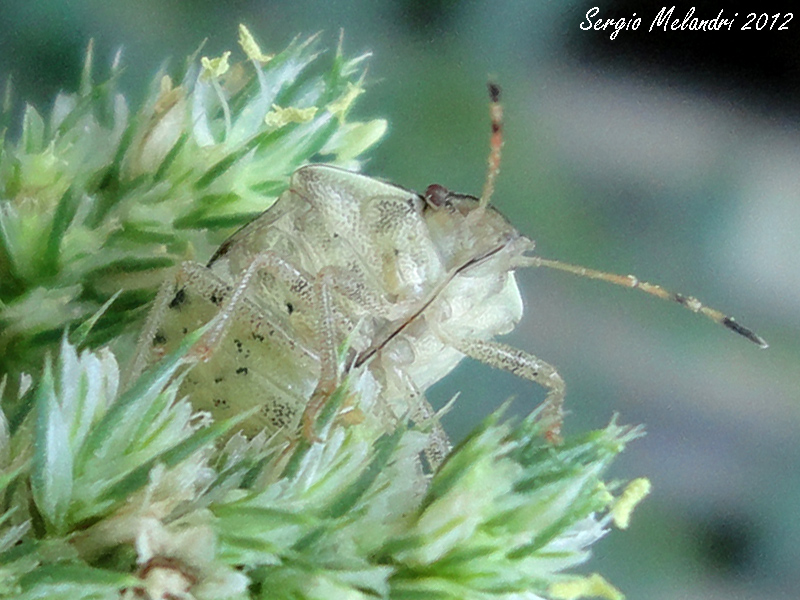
<point>410,276</point>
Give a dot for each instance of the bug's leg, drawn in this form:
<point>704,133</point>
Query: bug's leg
<point>268,262</point>
<point>421,412</point>
<point>144,346</point>
<point>322,288</point>
<point>520,363</point>
<point>354,289</point>
<point>316,292</point>
<point>335,279</point>
<point>439,445</point>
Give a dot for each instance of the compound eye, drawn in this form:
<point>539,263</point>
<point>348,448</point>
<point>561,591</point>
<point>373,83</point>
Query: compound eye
<point>437,195</point>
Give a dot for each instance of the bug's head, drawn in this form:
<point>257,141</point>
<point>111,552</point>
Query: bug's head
<point>463,226</point>
<point>466,225</point>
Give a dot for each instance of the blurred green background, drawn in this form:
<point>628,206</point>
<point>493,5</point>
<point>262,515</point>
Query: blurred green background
<point>673,156</point>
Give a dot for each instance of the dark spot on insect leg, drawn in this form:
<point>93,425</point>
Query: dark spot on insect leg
<point>241,371</point>
<point>159,339</point>
<point>290,307</point>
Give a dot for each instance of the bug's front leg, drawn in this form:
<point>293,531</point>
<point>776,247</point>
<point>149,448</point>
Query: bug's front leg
<point>521,363</point>
<point>144,346</point>
<point>316,293</point>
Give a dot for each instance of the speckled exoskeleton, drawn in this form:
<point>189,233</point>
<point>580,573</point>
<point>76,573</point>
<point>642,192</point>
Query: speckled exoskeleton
<point>408,283</point>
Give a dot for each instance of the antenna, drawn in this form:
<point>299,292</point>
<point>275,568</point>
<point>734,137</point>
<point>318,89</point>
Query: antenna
<point>633,282</point>
<point>628,281</point>
<point>495,144</point>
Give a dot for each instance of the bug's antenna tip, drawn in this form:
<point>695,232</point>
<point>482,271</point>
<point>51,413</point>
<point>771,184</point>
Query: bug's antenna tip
<point>494,91</point>
<point>744,331</point>
<point>496,115</point>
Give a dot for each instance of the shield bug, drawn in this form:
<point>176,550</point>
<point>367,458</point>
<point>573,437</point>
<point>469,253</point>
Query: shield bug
<point>409,283</point>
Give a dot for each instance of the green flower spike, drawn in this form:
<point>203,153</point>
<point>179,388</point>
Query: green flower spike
<point>108,493</point>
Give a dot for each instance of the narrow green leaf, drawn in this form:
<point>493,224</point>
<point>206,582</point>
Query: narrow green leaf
<point>211,201</point>
<point>51,477</point>
<point>78,336</point>
<point>86,74</point>
<point>23,408</point>
<point>130,265</point>
<point>22,550</point>
<point>260,517</point>
<point>7,477</point>
<point>169,159</point>
<point>383,451</point>
<point>269,187</point>
<point>216,223</point>
<point>32,139</point>
<point>12,283</point>
<point>73,581</point>
<point>222,166</point>
<point>141,234</point>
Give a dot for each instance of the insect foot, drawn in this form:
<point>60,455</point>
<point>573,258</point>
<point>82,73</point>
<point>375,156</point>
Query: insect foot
<point>408,283</point>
